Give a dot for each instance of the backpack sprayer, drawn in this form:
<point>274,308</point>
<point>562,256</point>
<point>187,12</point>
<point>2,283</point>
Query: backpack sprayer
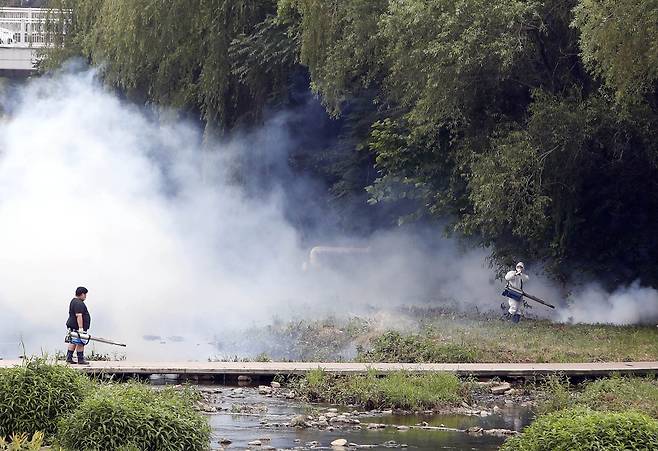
<point>518,295</point>
<point>85,338</point>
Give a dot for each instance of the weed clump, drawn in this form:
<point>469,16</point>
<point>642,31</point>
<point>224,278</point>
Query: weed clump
<point>134,416</point>
<point>35,395</point>
<point>581,429</point>
<point>397,390</point>
<point>610,394</point>
<point>395,347</point>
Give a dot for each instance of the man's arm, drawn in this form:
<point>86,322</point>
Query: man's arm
<point>78,316</point>
<point>510,275</point>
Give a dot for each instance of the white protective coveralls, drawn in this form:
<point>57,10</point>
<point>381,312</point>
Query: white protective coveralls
<point>515,280</point>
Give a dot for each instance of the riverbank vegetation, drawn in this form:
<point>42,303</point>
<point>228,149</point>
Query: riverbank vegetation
<point>615,413</point>
<point>616,394</point>
<point>397,390</point>
<point>64,406</point>
<point>530,125</point>
<point>530,341</point>
<point>134,416</point>
<point>442,336</point>
<point>587,430</point>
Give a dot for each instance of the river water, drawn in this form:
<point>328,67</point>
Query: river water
<point>267,415</point>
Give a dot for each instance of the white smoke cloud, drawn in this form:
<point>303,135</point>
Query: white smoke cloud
<point>95,192</point>
<point>632,304</point>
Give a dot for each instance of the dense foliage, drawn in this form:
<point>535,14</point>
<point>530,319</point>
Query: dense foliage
<point>34,396</point>
<point>587,430</point>
<point>396,390</point>
<point>531,124</point>
<point>134,416</point>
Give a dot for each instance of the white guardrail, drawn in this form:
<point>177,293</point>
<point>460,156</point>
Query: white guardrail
<point>23,27</point>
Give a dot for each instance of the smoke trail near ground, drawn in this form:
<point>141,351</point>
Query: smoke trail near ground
<point>633,304</point>
<point>96,192</point>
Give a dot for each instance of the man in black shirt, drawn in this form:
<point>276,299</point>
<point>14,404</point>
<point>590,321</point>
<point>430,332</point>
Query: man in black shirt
<point>79,320</point>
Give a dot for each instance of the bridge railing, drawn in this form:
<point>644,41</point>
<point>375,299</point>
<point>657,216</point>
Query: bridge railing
<point>29,25</point>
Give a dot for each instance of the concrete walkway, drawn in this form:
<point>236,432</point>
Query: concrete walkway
<point>284,368</point>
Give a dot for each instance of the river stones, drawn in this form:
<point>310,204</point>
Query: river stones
<point>500,388</point>
<point>339,442</point>
<point>298,421</point>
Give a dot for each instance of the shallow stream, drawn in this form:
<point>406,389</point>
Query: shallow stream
<point>264,418</point>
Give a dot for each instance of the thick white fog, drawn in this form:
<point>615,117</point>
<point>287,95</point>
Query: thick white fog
<point>95,192</point>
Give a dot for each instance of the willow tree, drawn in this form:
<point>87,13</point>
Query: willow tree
<point>619,42</point>
<point>175,53</point>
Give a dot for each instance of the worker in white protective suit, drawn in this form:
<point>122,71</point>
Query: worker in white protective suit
<point>515,279</point>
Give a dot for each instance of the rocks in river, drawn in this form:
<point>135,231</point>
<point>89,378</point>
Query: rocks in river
<point>225,441</point>
<point>499,432</point>
<point>236,393</point>
<point>298,421</point>
<point>255,443</point>
<point>275,384</point>
<point>496,409</point>
<point>500,388</point>
<point>264,390</point>
<point>403,428</point>
<point>206,407</point>
<point>474,430</point>
<point>339,442</point>
<point>332,410</point>
<point>243,378</point>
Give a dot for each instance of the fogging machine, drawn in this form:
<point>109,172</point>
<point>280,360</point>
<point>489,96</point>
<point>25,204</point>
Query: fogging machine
<point>86,338</point>
<point>519,294</point>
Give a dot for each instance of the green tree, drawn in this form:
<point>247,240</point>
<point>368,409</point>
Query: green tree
<point>619,42</point>
<point>176,53</point>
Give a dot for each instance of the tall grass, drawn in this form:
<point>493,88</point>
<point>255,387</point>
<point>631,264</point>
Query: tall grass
<point>395,347</point>
<point>134,416</point>
<point>33,396</point>
<point>612,394</point>
<point>397,390</point>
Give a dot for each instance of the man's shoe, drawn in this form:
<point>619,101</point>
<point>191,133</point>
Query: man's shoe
<point>83,362</point>
<point>70,361</point>
<point>515,318</point>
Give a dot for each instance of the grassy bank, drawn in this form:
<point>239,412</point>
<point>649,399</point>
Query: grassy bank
<point>455,339</point>
<point>442,335</point>
<point>398,390</point>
